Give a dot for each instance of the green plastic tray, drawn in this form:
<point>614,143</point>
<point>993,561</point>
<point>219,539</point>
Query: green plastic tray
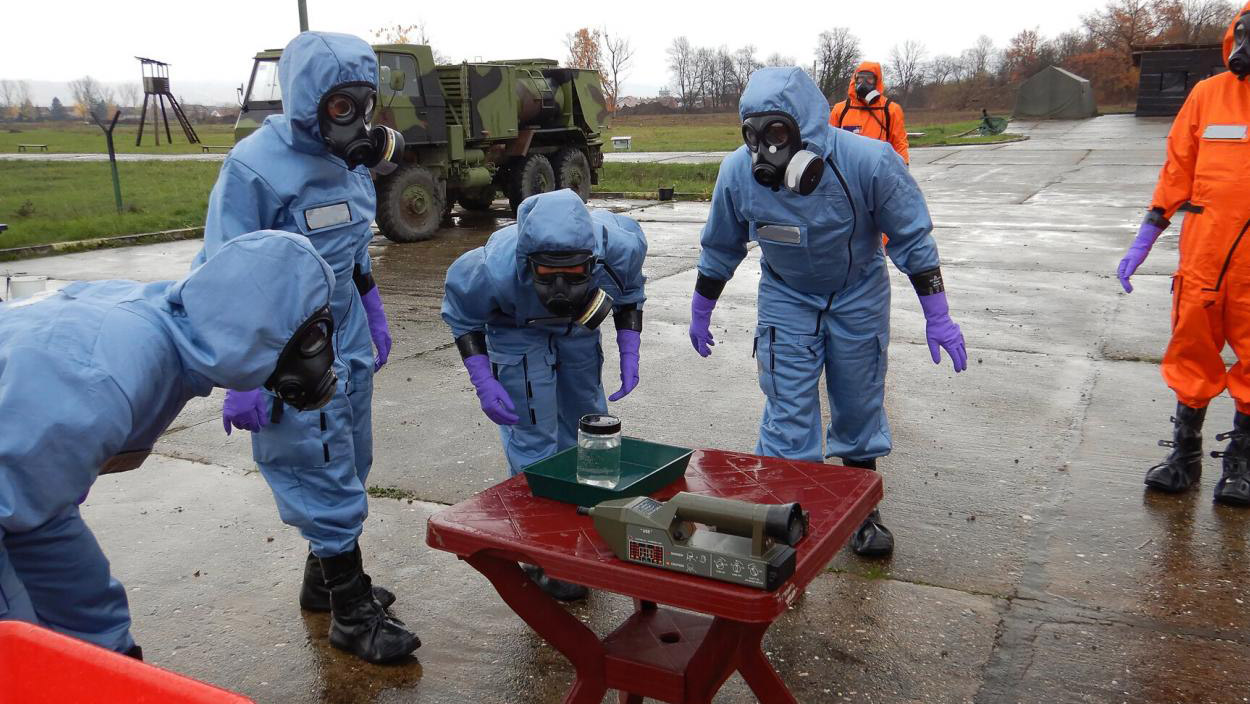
<point>646,467</point>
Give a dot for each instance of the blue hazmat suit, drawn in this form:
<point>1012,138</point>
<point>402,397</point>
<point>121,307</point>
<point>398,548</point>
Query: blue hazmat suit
<point>824,292</point>
<point>90,376</point>
<point>552,372</point>
<point>283,177</point>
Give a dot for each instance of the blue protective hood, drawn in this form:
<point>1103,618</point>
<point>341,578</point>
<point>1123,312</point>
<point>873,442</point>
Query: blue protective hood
<point>554,222</point>
<point>231,316</point>
<point>792,91</point>
<point>312,64</point>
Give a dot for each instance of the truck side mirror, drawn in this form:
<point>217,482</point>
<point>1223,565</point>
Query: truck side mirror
<point>398,79</point>
<point>239,90</point>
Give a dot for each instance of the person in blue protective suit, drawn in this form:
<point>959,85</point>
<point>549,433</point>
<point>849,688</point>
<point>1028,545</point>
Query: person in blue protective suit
<point>308,171</point>
<point>525,311</point>
<point>91,375</point>
<point>816,199</point>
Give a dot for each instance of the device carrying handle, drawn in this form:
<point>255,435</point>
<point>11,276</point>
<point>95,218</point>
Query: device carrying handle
<point>785,523</point>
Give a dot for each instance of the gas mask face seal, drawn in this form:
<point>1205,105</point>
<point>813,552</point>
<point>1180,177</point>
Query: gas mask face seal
<point>304,377</point>
<point>344,115</point>
<point>564,282</point>
<point>866,87</point>
<point>777,154</point>
<point>1239,59</point>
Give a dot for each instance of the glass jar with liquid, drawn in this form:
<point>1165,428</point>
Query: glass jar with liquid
<point>599,450</point>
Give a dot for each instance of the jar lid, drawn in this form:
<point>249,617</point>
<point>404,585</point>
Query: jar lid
<point>600,424</point>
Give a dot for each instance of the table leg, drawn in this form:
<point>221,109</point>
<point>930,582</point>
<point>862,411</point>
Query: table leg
<point>550,621</point>
<point>759,674</point>
<point>627,698</point>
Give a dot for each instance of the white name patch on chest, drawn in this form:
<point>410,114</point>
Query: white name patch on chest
<point>1236,133</point>
<point>327,216</point>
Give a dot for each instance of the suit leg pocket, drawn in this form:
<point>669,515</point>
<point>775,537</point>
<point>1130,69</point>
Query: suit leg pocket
<point>300,438</point>
<point>512,371</point>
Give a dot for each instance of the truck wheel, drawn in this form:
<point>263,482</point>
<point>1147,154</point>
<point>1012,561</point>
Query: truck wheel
<point>573,172</point>
<point>479,200</point>
<point>530,176</point>
<point>411,202</point>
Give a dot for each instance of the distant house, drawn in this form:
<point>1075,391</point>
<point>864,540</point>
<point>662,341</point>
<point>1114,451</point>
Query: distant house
<point>1170,71</point>
<point>629,101</point>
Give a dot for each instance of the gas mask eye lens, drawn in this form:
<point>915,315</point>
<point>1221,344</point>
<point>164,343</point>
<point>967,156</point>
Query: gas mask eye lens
<point>314,339</point>
<point>750,137</point>
<point>341,109</point>
<point>776,134</point>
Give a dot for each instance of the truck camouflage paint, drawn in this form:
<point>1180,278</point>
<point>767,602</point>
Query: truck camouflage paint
<point>471,130</point>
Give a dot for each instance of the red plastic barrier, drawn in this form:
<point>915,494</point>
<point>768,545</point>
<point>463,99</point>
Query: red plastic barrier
<point>38,666</point>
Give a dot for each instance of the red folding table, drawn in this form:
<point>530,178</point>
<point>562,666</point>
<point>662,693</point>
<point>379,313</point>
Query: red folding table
<point>666,654</point>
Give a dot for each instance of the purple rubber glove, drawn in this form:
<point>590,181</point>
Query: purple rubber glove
<point>700,322</point>
<point>1137,253</point>
<point>245,410</point>
<point>628,342</point>
<point>941,332</point>
<point>496,403</point>
<point>378,328</point>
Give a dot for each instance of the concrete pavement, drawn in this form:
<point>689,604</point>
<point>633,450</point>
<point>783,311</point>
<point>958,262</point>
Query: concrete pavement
<point>1031,565</point>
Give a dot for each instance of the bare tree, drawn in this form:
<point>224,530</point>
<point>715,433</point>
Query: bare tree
<point>776,59</point>
<point>409,34</point>
<point>943,69</point>
<point>9,103</point>
<point>978,60</point>
<point>906,67</point>
<point>620,56</point>
<point>681,67</point>
<point>837,55</point>
<point>128,94</point>
<point>745,63</point>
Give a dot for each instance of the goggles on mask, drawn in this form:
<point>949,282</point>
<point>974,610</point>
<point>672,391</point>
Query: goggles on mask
<point>304,376</point>
<point>777,154</point>
<point>344,115</point>
<point>1239,59</point>
<point>564,282</point>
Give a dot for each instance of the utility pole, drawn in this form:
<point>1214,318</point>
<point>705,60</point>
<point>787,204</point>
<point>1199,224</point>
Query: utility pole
<point>303,15</point>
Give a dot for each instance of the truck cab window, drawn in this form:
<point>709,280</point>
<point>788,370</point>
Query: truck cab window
<point>412,78</point>
<point>264,87</point>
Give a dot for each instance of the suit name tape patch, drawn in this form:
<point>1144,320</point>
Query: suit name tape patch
<point>327,216</point>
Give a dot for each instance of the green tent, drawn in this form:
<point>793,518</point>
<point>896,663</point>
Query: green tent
<point>1056,94</point>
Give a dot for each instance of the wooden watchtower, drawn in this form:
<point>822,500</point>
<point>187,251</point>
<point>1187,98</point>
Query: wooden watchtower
<point>156,88</point>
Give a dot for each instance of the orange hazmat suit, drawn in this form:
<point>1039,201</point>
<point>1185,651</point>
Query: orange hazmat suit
<point>881,119</point>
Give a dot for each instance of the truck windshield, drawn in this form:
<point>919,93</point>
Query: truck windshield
<point>264,87</point>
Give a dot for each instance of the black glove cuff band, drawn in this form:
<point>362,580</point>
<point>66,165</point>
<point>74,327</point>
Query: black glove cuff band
<point>628,318</point>
<point>363,280</point>
<point>1155,217</point>
<point>471,343</point>
<point>708,287</point>
<point>928,282</point>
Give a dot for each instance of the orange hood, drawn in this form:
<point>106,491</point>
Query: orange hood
<point>1228,36</point>
<point>875,68</point>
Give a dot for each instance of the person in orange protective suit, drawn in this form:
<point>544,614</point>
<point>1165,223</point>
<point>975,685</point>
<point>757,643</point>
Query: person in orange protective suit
<point>867,112</point>
<point>1206,177</point>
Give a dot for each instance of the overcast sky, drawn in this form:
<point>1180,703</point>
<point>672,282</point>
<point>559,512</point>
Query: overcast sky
<point>212,42</point>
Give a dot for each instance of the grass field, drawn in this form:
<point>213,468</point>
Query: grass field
<point>695,179</point>
<point>79,138</point>
<point>60,202</point>
<point>720,132</point>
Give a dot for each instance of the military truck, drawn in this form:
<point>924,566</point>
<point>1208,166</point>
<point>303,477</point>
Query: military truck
<point>472,129</point>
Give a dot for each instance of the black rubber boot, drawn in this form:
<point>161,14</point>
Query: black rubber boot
<point>314,595</point>
<point>872,539</point>
<point>1233,488</point>
<point>1183,467</point>
<point>358,623</point>
<point>556,588</point>
<point>135,652</point>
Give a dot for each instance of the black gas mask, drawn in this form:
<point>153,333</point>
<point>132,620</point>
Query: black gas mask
<point>565,285</point>
<point>866,87</point>
<point>1239,59</point>
<point>304,377</point>
<point>777,154</point>
<point>344,115</point>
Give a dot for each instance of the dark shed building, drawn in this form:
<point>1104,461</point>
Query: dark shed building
<point>1169,72</point>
